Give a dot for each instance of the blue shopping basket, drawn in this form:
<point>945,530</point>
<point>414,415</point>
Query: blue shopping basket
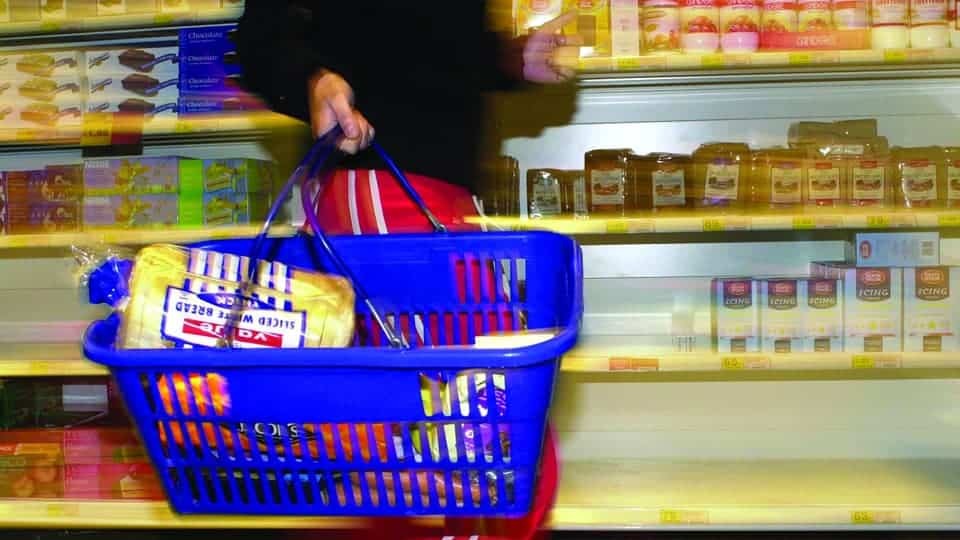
<point>436,427</point>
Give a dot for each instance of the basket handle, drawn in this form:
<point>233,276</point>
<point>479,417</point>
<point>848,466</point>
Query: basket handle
<point>318,163</point>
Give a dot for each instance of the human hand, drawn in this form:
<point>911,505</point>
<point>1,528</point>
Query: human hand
<point>547,55</point>
<point>331,105</point>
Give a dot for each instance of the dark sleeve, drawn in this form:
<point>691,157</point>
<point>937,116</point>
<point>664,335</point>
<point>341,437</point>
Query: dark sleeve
<point>279,52</point>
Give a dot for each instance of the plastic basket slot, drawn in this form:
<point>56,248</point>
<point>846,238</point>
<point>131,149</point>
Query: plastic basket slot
<point>521,281</point>
<point>146,385</point>
<point>505,444</point>
<point>380,442</point>
<point>318,486</point>
<point>336,478</point>
<point>455,479</point>
<point>227,485</point>
<point>240,451</point>
<point>192,484</point>
<point>290,486</point>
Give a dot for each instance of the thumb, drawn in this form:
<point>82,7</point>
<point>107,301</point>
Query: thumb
<point>557,24</point>
<point>343,112</point>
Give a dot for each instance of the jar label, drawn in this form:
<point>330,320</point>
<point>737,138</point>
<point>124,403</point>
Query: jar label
<point>668,188</point>
<point>953,181</point>
<point>723,180</point>
<point>928,12</point>
<point>700,20</point>
<point>779,18</point>
<point>546,199</point>
<point>868,181</point>
<point>850,15</point>
<point>889,12</point>
<point>579,197</point>
<point>606,187</point>
<point>814,17</point>
<point>920,181</point>
<point>785,181</point>
<point>736,18</point>
<point>661,28</point>
<point>824,182</point>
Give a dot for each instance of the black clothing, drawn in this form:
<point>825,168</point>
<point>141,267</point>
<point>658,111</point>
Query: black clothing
<point>418,70</point>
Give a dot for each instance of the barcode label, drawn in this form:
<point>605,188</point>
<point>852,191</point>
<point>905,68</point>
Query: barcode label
<point>928,249</point>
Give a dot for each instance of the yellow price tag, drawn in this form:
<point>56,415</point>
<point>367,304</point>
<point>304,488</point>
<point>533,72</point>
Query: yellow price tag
<point>683,517</point>
<point>804,223</point>
<point>51,26</point>
<point>62,510</point>
<point>949,220</point>
<point>41,367</point>
<point>629,63</point>
<point>163,18</point>
<point>864,362</point>
<point>712,60</point>
<point>733,363</point>
<point>799,59</point>
<point>870,517</point>
<point>617,227</point>
<point>895,56</point>
<point>713,225</point>
<point>97,129</point>
<point>878,222</point>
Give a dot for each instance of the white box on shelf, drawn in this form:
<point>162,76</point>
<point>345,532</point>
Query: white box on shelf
<point>823,318</point>
<point>930,304</point>
<point>872,306</point>
<point>736,315</point>
<point>902,249</point>
<point>625,28</point>
<point>39,64</point>
<point>159,62</point>
<point>782,308</point>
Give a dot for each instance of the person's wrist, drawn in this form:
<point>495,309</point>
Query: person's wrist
<point>512,60</point>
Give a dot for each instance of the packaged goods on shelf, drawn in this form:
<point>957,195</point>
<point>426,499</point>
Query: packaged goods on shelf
<point>161,62</point>
<point>31,465</point>
<point>39,64</point>
<point>155,87</point>
<point>873,305</point>
<point>208,52</point>
<point>206,103</point>
<point>544,193</point>
<point>592,25</point>
<point>625,34</point>
<point>931,309</point>
<point>807,133</point>
<point>54,183</point>
<point>871,174</point>
<point>237,175</point>
<point>503,191</point>
<point>782,311</point>
<point>111,7</point>
<point>739,25</point>
<point>778,179</point>
<point>720,176</point>
<point>534,14</point>
<point>609,190</point>
<point>921,180</point>
<point>910,249</point>
<point>850,15</point>
<point>661,181</point>
<point>43,217</point>
<point>59,90</point>
<point>131,211</point>
<point>778,17</point>
<point>225,207</point>
<point>952,156</point>
<point>699,26</point>
<point>140,175</point>
<point>928,24</point>
<point>736,315</point>
<point>54,10</point>
<point>823,319</point>
<point>826,181</point>
<point>50,402</point>
<point>41,116</point>
<point>661,26</point>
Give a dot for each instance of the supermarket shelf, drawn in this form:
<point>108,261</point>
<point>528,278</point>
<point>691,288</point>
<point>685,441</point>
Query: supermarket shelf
<point>41,360</point>
<point>116,27</point>
<point>840,494</point>
<point>769,67</point>
<point>590,360</point>
<point>701,222</point>
<point>637,495</point>
<point>133,237</point>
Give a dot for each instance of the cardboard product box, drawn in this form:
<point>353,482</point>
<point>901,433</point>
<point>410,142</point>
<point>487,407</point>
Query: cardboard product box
<point>873,306</point>
<point>823,321</point>
<point>625,34</point>
<point>199,104</point>
<point>131,211</point>
<point>31,465</point>
<point>154,118</point>
<point>238,175</point>
<point>225,207</point>
<point>736,315</point>
<point>930,309</point>
<point>42,117</point>
<point>163,63</point>
<point>136,175</point>
<point>55,183</point>
<point>906,249</point>
<point>782,309</point>
<point>157,88</point>
<point>114,481</point>
<point>535,13</point>
<point>208,52</point>
<point>44,64</point>
<point>592,25</point>
<point>25,89</point>
<point>43,217</point>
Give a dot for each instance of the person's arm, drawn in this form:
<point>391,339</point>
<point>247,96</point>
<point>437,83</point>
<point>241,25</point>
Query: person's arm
<point>291,69</point>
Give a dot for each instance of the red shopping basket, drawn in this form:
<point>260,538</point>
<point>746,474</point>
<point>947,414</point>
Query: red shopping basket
<point>413,419</point>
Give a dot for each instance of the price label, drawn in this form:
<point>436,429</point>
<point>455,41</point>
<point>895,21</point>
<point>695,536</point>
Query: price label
<point>163,19</point>
<point>871,517</point>
<point>97,129</point>
<point>949,220</point>
<point>184,127</point>
<point>41,367</point>
<point>804,223</point>
<point>800,59</point>
<point>895,56</point>
<point>713,225</point>
<point>712,60</point>
<point>634,364</point>
<point>683,517</point>
<point>618,227</point>
<point>866,361</point>
<point>737,363</point>
<point>51,26</point>
<point>62,510</point>
<point>878,222</point>
<point>630,63</point>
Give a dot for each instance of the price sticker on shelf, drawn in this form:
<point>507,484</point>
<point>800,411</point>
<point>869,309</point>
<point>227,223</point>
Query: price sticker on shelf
<point>895,56</point>
<point>867,361</point>
<point>163,19</point>
<point>713,225</point>
<point>634,364</point>
<point>684,517</point>
<point>800,59</point>
<point>97,129</point>
<point>804,223</point>
<point>62,510</point>
<point>878,222</point>
<point>739,363</point>
<point>51,26</point>
<point>872,517</point>
<point>712,60</point>
<point>618,226</point>
<point>628,63</point>
<point>949,220</point>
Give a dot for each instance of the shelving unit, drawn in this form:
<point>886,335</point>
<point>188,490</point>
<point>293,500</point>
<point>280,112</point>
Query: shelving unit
<point>130,237</point>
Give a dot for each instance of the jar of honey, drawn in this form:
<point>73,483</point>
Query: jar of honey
<point>825,178</point>
<point>544,193</point>
<point>720,172</point>
<point>921,177</point>
<point>777,179</point>
<point>574,199</point>
<point>661,181</point>
<point>609,191</point>
<point>952,158</point>
<point>870,174</point>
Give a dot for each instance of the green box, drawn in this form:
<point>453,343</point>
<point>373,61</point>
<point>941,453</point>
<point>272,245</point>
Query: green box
<point>217,175</point>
